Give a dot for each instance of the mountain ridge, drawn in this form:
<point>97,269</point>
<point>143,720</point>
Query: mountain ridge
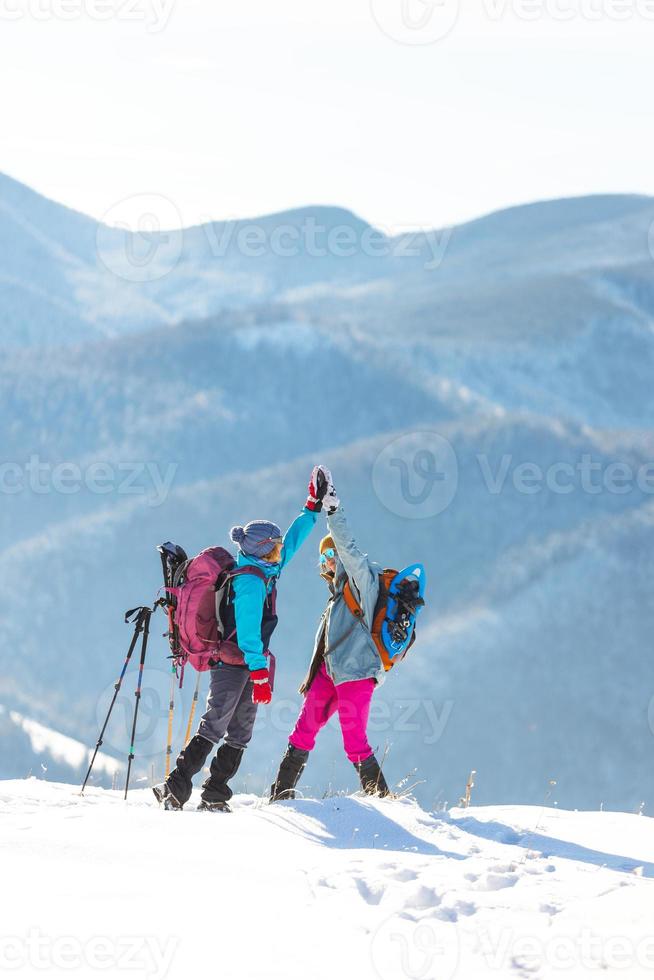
<point>538,612</point>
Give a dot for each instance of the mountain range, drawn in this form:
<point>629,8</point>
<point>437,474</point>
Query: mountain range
<point>203,372</point>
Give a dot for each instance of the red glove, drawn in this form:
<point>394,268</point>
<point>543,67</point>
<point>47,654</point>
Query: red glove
<point>261,690</point>
<point>319,483</point>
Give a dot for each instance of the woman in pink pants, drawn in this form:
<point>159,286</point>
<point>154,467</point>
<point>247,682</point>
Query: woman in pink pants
<point>345,666</point>
<point>352,701</point>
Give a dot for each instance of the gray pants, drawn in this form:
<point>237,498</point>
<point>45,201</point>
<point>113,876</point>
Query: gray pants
<point>230,713</point>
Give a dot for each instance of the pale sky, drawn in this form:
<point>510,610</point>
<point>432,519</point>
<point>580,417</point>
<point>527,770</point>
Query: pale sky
<point>412,114</point>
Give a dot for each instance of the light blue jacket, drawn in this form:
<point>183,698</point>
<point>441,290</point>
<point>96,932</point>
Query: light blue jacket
<point>250,591</point>
<point>349,649</point>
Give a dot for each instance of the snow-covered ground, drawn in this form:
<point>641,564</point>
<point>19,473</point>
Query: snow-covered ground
<point>343,887</point>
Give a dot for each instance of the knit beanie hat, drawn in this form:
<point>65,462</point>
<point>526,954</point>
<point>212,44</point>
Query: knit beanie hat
<point>256,538</point>
<point>327,542</point>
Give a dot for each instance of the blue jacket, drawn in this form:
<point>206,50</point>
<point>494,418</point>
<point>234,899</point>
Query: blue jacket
<point>346,643</point>
<point>250,591</point>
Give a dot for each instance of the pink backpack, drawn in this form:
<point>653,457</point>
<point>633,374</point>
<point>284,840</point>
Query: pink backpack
<point>197,589</point>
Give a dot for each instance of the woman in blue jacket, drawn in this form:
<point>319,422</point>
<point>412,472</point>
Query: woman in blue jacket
<point>237,689</point>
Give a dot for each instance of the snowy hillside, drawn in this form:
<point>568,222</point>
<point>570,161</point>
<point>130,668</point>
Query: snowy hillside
<point>343,886</point>
<point>530,343</point>
<point>64,275</point>
<point>28,745</point>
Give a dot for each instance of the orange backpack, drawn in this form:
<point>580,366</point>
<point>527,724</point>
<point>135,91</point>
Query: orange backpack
<point>379,616</point>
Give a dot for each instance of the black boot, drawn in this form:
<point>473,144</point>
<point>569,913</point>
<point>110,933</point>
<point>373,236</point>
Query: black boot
<point>214,807</point>
<point>290,769</point>
<point>224,765</point>
<point>163,795</point>
<point>372,778</point>
<point>179,784</point>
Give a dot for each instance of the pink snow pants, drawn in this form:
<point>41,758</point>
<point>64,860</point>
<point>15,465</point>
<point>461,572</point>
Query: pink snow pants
<point>352,701</point>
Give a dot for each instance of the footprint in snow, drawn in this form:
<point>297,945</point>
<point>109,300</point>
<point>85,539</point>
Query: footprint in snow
<point>525,967</point>
<point>537,867</point>
<point>370,892</point>
<point>423,898</point>
<point>494,882</point>
<point>446,914</point>
<point>326,883</point>
<point>451,913</point>
<point>404,874</point>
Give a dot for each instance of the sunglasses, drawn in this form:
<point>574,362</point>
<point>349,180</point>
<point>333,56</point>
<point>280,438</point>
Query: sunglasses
<point>326,555</point>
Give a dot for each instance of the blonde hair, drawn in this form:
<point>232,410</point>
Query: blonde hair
<point>270,555</point>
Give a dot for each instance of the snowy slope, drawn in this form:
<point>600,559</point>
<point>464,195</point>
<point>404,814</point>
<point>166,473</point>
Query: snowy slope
<point>65,278</point>
<point>29,744</point>
<point>338,887</point>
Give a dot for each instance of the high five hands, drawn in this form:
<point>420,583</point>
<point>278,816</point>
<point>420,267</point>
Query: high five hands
<point>321,491</point>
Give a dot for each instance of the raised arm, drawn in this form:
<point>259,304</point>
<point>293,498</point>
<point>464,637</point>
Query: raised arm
<point>302,526</point>
<point>361,572</point>
<point>297,534</point>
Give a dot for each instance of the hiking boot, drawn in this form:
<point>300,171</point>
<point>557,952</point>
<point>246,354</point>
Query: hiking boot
<point>215,807</point>
<point>189,762</point>
<point>224,767</point>
<point>372,778</point>
<point>164,796</point>
<point>290,769</point>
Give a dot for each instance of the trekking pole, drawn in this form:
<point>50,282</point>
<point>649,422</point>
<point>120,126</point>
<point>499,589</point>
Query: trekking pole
<point>187,737</point>
<point>146,615</point>
<point>117,686</point>
<point>171,708</point>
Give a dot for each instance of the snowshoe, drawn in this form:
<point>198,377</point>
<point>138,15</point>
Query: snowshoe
<point>215,807</point>
<point>405,600</point>
<point>164,796</point>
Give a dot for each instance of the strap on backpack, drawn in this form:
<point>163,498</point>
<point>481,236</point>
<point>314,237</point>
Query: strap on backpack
<point>224,585</point>
<point>357,613</point>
